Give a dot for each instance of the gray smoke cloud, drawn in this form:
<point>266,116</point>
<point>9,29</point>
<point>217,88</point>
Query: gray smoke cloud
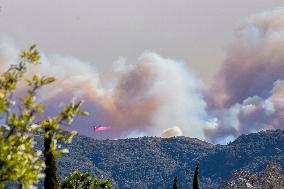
<point>254,60</point>
<point>248,93</point>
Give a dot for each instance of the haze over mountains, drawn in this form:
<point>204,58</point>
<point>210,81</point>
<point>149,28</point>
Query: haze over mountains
<point>152,162</point>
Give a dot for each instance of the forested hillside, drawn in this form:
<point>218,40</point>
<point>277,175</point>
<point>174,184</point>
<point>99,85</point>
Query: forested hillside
<point>151,162</point>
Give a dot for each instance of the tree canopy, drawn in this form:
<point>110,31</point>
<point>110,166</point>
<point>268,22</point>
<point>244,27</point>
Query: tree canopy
<point>22,117</point>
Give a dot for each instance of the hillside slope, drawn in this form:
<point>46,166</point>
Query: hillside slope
<point>152,162</point>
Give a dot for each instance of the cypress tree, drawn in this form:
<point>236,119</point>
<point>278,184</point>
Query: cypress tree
<point>51,180</point>
<point>52,134</point>
<point>175,186</point>
<point>195,183</point>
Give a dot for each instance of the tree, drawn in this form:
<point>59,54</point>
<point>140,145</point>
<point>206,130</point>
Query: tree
<point>78,180</point>
<point>52,134</point>
<point>20,165</point>
<point>51,172</point>
<point>195,183</point>
<point>22,118</point>
<point>175,185</point>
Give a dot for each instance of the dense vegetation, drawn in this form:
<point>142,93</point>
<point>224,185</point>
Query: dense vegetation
<point>151,162</point>
<point>78,180</point>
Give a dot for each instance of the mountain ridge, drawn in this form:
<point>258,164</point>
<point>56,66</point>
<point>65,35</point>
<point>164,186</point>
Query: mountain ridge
<point>153,162</point>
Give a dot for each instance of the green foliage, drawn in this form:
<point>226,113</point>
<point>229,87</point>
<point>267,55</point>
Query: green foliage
<point>78,180</point>
<point>20,163</point>
<point>175,185</point>
<point>195,182</point>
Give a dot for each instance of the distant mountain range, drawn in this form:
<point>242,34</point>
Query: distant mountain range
<point>152,162</point>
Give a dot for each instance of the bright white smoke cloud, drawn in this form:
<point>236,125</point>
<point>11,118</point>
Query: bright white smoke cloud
<point>172,132</point>
<point>145,98</point>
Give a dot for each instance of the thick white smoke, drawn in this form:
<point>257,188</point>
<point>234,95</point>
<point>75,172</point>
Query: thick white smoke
<point>172,132</point>
<point>144,98</point>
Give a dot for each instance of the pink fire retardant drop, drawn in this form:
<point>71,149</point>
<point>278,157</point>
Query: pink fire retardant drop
<point>101,128</point>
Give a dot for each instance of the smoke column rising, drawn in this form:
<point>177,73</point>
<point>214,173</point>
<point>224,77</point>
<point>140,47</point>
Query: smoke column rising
<point>248,93</point>
<point>145,98</point>
<point>151,95</point>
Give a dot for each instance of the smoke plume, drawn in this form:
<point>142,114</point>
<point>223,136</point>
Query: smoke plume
<point>151,95</point>
<point>248,93</point>
<point>143,98</point>
<point>172,132</point>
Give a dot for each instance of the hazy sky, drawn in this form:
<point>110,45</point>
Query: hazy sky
<point>196,31</point>
<point>156,93</point>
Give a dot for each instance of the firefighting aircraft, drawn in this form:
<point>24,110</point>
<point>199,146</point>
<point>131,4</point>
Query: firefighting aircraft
<point>99,128</point>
